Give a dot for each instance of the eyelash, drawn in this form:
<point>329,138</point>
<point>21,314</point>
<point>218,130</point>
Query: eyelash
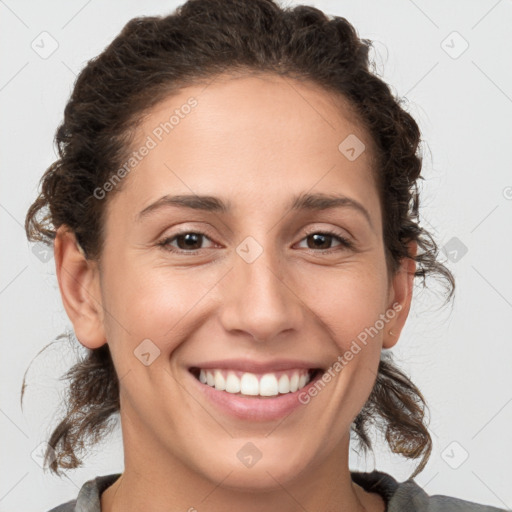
<point>344,242</point>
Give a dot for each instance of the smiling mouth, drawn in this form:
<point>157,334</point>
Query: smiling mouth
<point>261,385</point>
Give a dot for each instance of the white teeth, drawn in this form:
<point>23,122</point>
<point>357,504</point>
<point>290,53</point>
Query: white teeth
<point>220,381</point>
<point>249,384</point>
<point>284,384</point>
<point>268,385</point>
<point>294,382</point>
<point>232,383</point>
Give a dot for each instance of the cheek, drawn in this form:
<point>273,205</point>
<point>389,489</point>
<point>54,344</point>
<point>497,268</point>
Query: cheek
<point>348,300</point>
<point>153,303</point>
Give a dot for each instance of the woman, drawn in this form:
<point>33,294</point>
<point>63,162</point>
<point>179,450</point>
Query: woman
<point>234,216</point>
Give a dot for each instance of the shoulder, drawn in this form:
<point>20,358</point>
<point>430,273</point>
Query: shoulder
<point>88,499</point>
<point>409,496</point>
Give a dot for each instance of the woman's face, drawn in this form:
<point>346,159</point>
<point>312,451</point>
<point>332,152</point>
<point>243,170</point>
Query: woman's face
<point>260,285</point>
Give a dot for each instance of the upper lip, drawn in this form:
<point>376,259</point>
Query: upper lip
<point>252,366</point>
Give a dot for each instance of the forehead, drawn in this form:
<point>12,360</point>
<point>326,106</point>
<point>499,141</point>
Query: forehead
<point>258,136</point>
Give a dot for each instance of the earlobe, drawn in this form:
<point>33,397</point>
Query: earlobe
<point>400,297</point>
<point>80,289</point>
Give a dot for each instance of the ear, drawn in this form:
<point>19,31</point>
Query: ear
<point>400,296</point>
<point>79,287</point>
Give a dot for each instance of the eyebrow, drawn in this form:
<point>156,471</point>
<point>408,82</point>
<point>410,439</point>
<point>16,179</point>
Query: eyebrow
<point>305,201</point>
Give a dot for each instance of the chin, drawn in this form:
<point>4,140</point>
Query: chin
<point>263,474</point>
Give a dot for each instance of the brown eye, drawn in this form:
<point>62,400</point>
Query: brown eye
<point>322,241</point>
<point>188,241</point>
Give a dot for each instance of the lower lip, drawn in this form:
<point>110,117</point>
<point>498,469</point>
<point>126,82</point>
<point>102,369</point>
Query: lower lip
<point>257,408</point>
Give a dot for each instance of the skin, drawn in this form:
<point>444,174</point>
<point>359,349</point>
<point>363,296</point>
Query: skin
<point>255,141</point>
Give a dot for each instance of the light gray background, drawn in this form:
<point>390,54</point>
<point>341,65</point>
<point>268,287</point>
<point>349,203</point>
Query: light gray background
<point>460,358</point>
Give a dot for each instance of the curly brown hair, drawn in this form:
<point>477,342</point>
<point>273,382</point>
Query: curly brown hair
<point>155,56</point>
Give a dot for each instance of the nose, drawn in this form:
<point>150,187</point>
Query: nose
<point>259,301</point>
